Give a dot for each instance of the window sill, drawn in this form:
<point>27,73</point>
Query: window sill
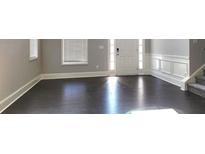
<point>33,58</point>
<point>75,63</point>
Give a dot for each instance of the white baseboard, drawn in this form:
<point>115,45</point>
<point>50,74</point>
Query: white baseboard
<point>167,78</point>
<point>74,75</point>
<point>5,103</point>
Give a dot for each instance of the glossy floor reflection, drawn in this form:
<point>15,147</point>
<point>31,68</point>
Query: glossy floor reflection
<point>106,95</point>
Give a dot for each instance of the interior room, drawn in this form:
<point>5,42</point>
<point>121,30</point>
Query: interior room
<point>101,76</point>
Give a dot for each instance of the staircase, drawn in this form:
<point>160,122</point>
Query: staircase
<point>198,87</point>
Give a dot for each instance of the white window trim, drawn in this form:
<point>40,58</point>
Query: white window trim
<point>32,58</point>
<point>70,63</point>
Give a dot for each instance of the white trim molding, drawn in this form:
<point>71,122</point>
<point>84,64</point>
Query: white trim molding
<point>34,49</point>
<point>170,68</point>
<point>146,65</point>
<point>167,77</point>
<point>5,103</point>
<point>74,75</point>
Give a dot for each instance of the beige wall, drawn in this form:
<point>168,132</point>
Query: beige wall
<point>97,55</point>
<point>148,45</point>
<point>15,68</point>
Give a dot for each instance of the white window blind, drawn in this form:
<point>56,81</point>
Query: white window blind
<point>75,51</point>
<point>33,49</point>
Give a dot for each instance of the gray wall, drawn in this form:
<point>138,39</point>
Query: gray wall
<point>197,54</point>
<point>148,45</point>
<point>170,46</point>
<point>15,68</point>
<point>52,57</point>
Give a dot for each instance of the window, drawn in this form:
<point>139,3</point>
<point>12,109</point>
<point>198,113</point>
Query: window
<point>33,49</point>
<point>74,51</point>
<point>112,54</point>
<point>140,49</point>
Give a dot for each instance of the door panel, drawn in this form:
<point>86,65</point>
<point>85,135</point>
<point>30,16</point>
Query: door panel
<point>126,57</point>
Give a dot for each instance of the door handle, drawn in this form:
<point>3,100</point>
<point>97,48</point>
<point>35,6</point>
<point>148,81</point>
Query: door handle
<point>118,50</point>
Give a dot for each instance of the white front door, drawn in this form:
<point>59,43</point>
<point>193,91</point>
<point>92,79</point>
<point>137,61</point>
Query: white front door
<point>126,56</point>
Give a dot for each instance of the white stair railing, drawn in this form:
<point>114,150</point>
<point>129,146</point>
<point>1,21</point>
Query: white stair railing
<point>191,78</point>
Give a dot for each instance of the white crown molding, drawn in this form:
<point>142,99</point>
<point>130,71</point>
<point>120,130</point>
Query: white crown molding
<point>5,103</point>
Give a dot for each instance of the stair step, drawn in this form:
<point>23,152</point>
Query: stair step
<point>200,80</point>
<point>197,89</point>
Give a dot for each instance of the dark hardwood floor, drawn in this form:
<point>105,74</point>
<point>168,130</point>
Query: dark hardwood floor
<point>105,95</point>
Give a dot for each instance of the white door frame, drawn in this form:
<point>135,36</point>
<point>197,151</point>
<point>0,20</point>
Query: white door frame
<point>111,72</point>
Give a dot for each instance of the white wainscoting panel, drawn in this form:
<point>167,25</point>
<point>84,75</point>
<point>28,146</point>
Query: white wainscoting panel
<point>180,70</point>
<point>171,68</point>
<point>155,64</point>
<point>165,66</point>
